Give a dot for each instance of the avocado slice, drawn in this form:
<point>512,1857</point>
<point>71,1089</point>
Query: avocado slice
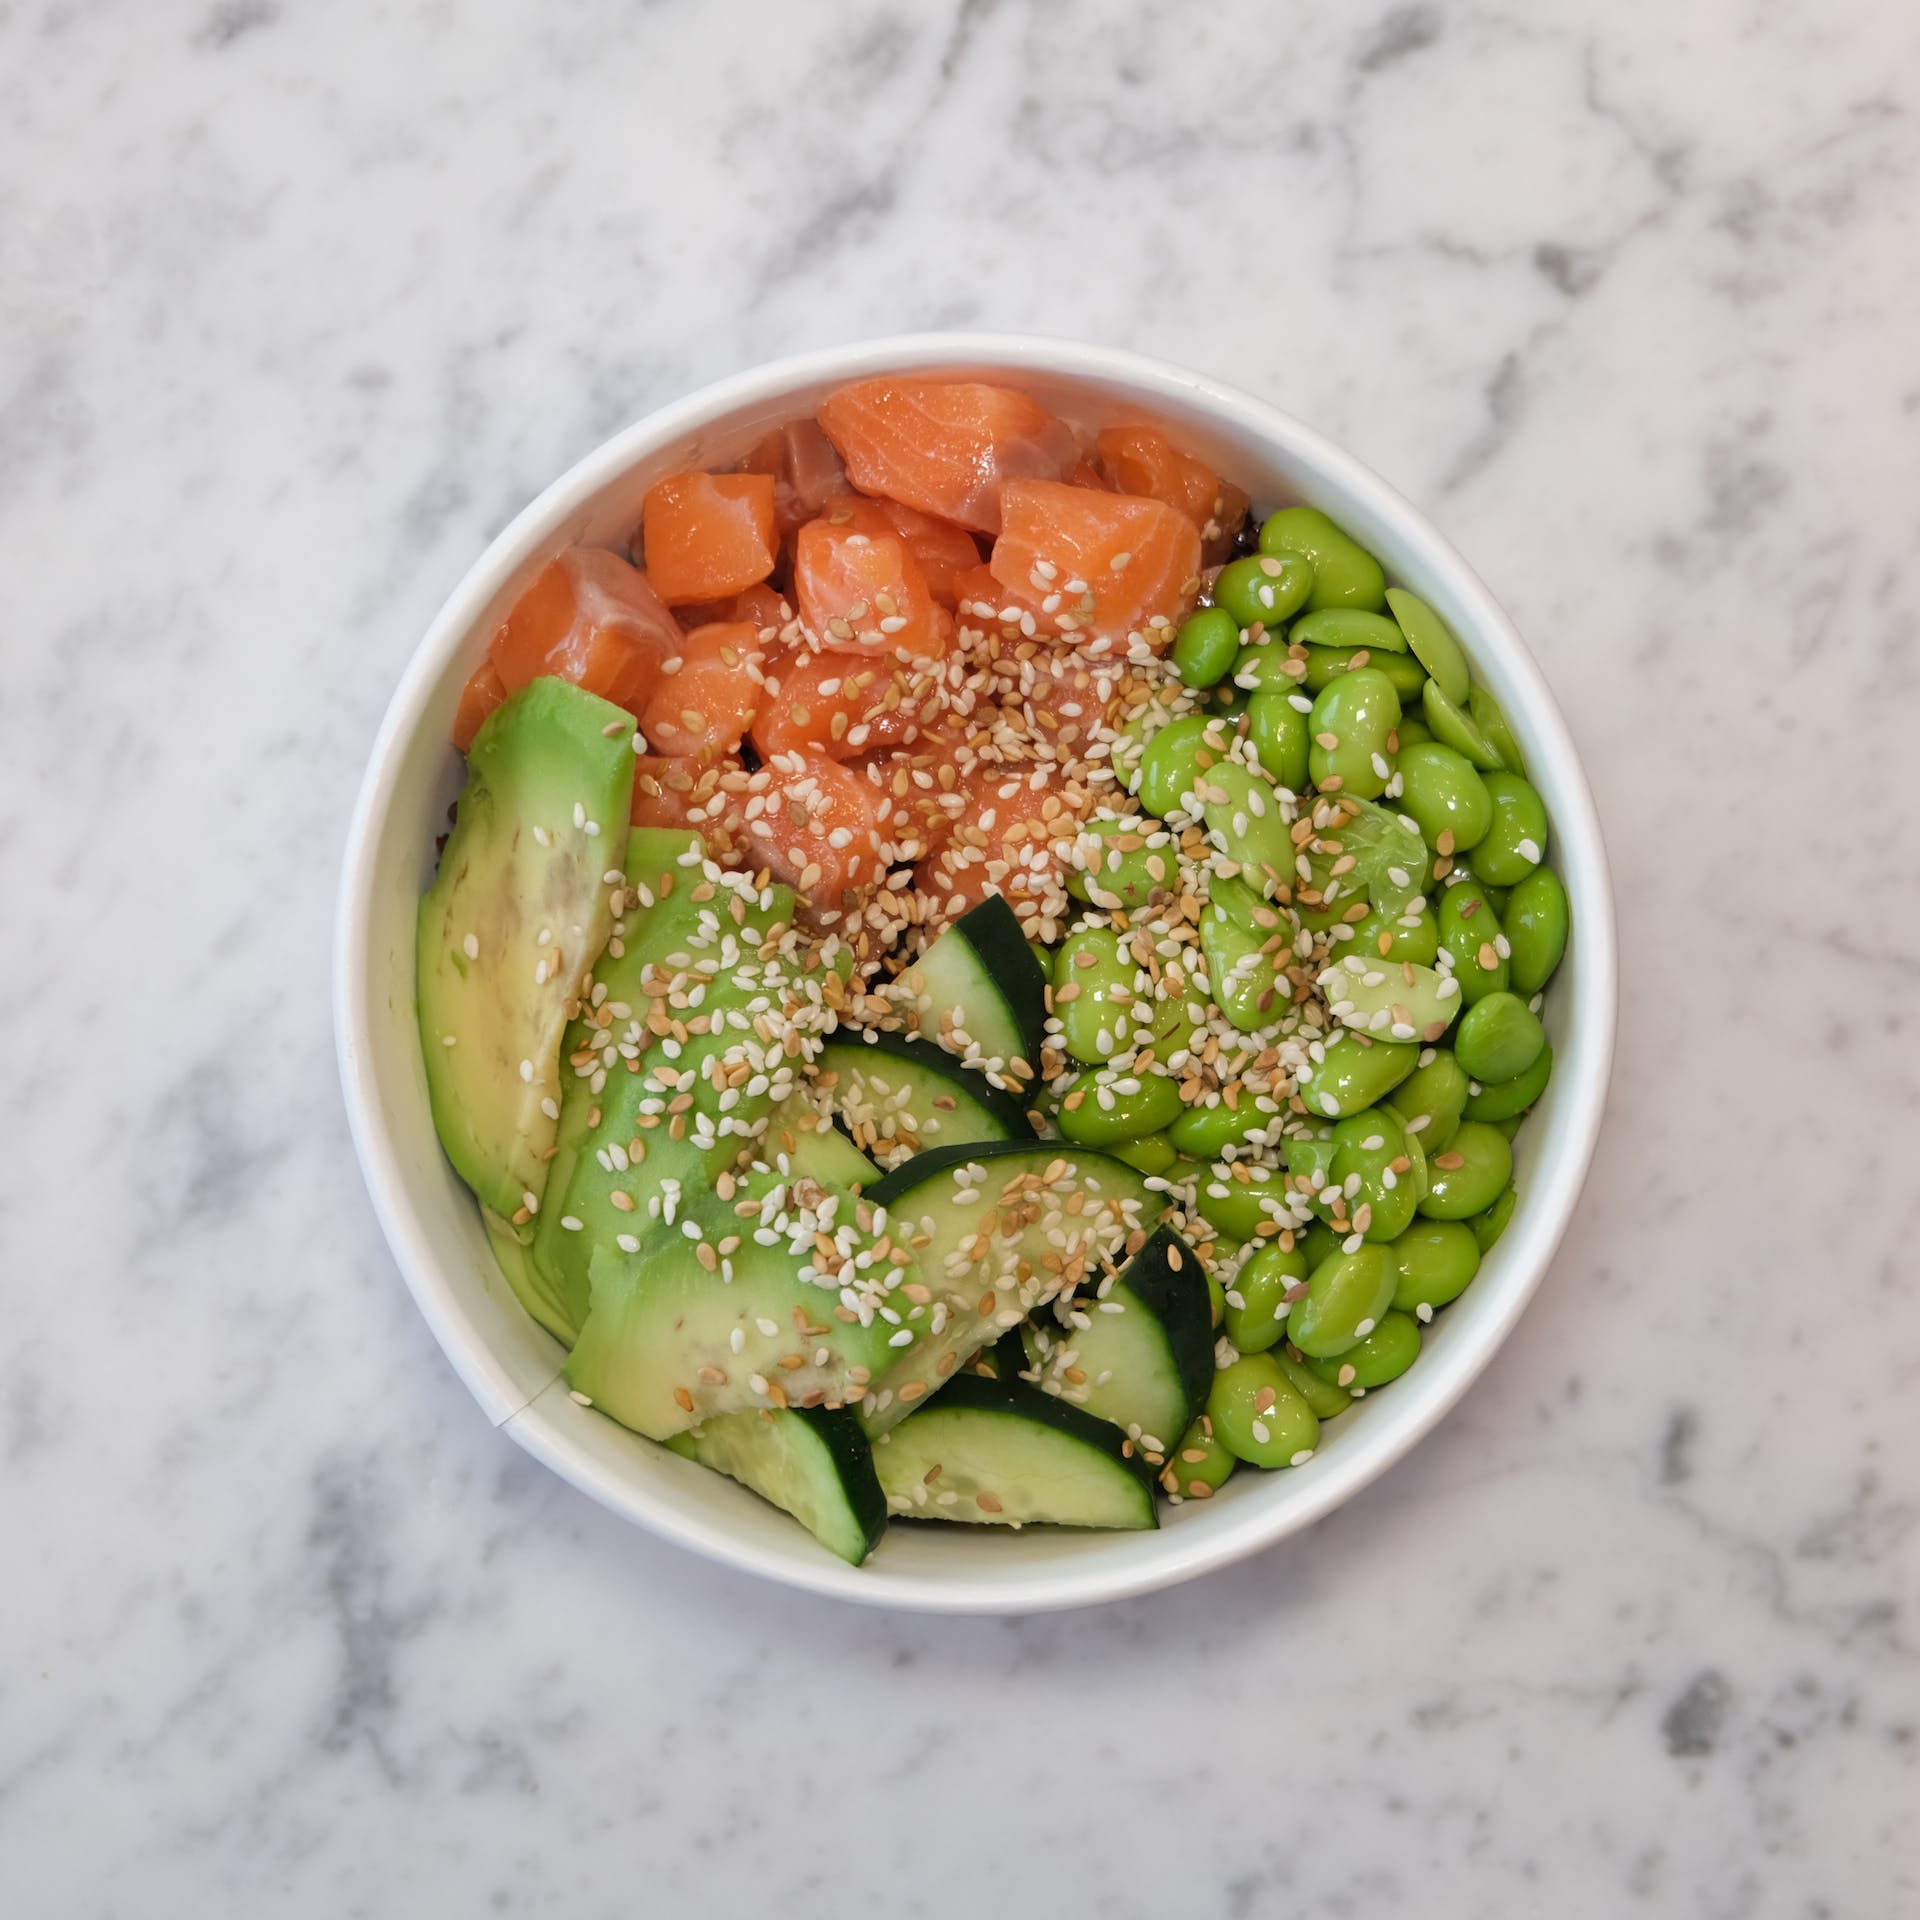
<point>511,928</point>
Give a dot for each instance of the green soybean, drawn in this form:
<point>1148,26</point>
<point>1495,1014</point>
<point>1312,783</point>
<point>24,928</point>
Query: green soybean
<point>1470,932</point>
<point>1490,1225</point>
<point>1318,1242</point>
<point>1093,995</point>
<point>1152,1153</point>
<point>1345,574</point>
<point>1401,1003</point>
<point>1467,1178</point>
<point>1327,664</point>
<point>1259,1416</point>
<point>1114,1107</point>
<point>1200,1466</point>
<point>1508,1099</point>
<point>1327,1401</point>
<point>1490,717</point>
<point>1206,646</point>
<point>1516,842</point>
<point>1397,937</point>
<point>1412,732</point>
<point>1535,919</point>
<point>1346,1296</point>
<point>1499,1039</point>
<point>1355,1073</point>
<point>1442,791</point>
<point>1309,1158</point>
<point>1167,764</point>
<point>1257,1303</point>
<point>1242,1207</point>
<point>1263,589</point>
<point>1385,1354</point>
<point>1434,1262</point>
<point>1242,813</point>
<point>1454,727</point>
<point>1127,875</point>
<point>1347,627</point>
<point>1206,1132</point>
<point>1280,736</point>
<point>1348,728</point>
<point>1375,1173</point>
<point>1432,643</point>
<point>1265,666</point>
<point>1437,1092</point>
<point>1236,928</point>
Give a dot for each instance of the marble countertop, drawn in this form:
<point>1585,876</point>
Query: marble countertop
<point>299,304</point>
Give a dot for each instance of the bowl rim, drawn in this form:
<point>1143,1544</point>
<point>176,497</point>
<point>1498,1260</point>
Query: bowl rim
<point>1554,1188</point>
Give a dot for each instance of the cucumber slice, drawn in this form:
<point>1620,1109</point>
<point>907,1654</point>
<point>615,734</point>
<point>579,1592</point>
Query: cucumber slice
<point>979,991</point>
<point>1139,1355</point>
<point>998,1229</point>
<point>813,1463</point>
<point>1002,1453</point>
<point>899,1096</point>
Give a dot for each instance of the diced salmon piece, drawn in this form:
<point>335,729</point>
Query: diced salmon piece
<point>939,548</point>
<point>841,705</point>
<point>591,618</point>
<point>922,812</point>
<point>806,471</point>
<point>708,535</point>
<point>818,827</point>
<point>1086,474</point>
<point>1143,460</point>
<point>767,610</point>
<point>704,792</point>
<point>945,446</point>
<point>484,691</point>
<point>1096,566</point>
<point>865,593</point>
<point>706,703</point>
<point>1009,837</point>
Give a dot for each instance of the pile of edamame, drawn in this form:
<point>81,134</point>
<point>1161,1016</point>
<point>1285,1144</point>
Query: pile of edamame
<point>1304,991</point>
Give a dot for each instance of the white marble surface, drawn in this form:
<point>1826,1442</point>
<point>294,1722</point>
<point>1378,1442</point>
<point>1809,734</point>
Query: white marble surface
<point>298,303</point>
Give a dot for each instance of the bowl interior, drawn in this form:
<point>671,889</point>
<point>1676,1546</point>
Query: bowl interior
<point>434,1227</point>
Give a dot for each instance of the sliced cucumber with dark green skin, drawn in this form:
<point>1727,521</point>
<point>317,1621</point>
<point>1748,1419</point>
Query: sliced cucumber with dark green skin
<point>898,1096</point>
<point>1002,1453</point>
<point>998,1229</point>
<point>811,1462</point>
<point>981,994</point>
<point>1144,1357</point>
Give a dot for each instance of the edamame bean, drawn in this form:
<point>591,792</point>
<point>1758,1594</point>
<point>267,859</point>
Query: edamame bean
<point>1309,1158</point>
<point>1470,932</point>
<point>1093,995</point>
<point>1391,862</point>
<point>1245,1200</point>
<point>1431,1100</point>
<point>1509,1099</point>
<point>1432,643</point>
<point>1266,666</point>
<point>1348,728</point>
<point>1126,862</point>
<point>1345,1298</point>
<point>1278,730</point>
<point>1385,1354</point>
<point>1509,1128</point>
<point>1242,813</point>
<point>1402,1003</point>
<point>1536,919</point>
<point>1259,1416</point>
<point>1375,1174</point>
<point>1516,842</point>
<point>1206,1132</point>
<point>1397,937</point>
<point>1318,1242</point>
<point>1167,763</point>
<point>1434,1262</point>
<point>1499,1039</point>
<point>1327,1401</point>
<point>1257,1303</point>
<point>1489,1226</point>
<point>1327,664</point>
<point>1237,927</point>
<point>1151,1153</point>
<point>1200,1465</point>
<point>1412,732</point>
<point>1347,627</point>
<point>1345,574</point>
<point>1445,794</point>
<point>1216,1293</point>
<point>1490,717</point>
<point>1263,589</point>
<point>1206,647</point>
<point>1355,1073</point>
<point>1454,727</point>
<point>1102,1107</point>
<point>1467,1178</point>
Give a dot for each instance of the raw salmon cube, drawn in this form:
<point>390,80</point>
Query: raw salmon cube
<point>865,593</point>
<point>708,692</point>
<point>708,535</point>
<point>591,618</point>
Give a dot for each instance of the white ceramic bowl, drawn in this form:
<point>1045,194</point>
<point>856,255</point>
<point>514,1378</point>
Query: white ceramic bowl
<point>433,1226</point>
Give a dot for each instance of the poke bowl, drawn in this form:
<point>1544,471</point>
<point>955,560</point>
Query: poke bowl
<point>1010,937</point>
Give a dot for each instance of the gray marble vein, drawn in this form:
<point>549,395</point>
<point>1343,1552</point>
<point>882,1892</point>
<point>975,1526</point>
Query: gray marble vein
<point>299,304</point>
